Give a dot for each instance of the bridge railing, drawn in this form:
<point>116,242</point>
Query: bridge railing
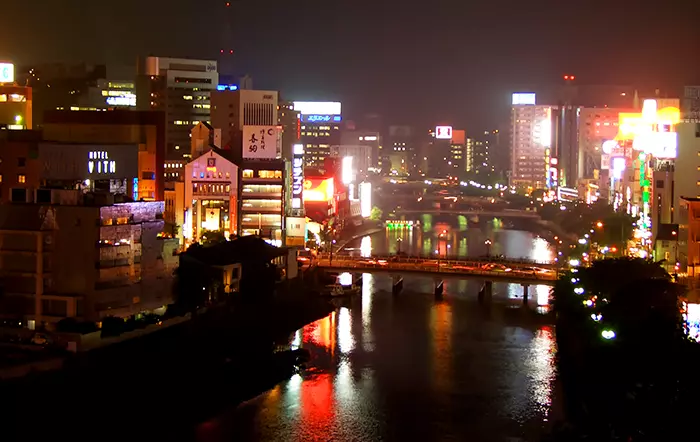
<point>442,267</point>
<point>427,259</point>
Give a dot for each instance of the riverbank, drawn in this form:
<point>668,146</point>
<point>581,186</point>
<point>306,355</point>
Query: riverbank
<point>162,384</point>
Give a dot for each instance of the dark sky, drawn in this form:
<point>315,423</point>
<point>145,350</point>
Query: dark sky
<point>420,62</point>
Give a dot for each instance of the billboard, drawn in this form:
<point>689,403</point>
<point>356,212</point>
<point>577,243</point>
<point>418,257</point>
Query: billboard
<point>7,73</point>
<point>618,165</point>
<point>365,199</point>
<point>318,189</point>
<point>315,118</point>
<point>296,226</point>
<point>523,98</point>
<point>346,172</point>
<point>297,175</point>
<point>260,142</point>
<point>443,132</point>
<point>662,145</point>
<point>317,107</point>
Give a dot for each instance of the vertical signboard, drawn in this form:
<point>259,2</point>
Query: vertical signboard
<point>7,73</point>
<point>260,142</point>
<point>297,175</point>
<point>690,109</point>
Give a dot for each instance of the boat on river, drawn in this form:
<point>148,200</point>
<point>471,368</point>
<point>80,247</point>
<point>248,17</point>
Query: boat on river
<point>338,290</point>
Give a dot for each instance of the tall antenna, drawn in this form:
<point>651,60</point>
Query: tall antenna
<point>226,49</point>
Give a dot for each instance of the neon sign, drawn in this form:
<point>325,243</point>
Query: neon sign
<point>99,162</point>
<point>321,118</point>
<point>226,87</point>
<point>297,175</point>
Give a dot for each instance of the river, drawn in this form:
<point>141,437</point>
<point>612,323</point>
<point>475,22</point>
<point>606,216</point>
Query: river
<point>410,367</point>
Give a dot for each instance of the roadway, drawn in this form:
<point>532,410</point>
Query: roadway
<point>513,271</point>
<point>506,213</point>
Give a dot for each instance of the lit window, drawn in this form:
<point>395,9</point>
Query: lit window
<point>247,173</point>
<point>21,178</point>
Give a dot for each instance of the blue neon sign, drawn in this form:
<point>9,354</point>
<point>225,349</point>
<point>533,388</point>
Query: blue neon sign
<point>321,118</point>
<point>227,87</point>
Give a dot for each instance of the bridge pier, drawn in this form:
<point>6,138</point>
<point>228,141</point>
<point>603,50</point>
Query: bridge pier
<point>397,284</point>
<point>526,294</point>
<point>486,292</point>
<point>439,288</point>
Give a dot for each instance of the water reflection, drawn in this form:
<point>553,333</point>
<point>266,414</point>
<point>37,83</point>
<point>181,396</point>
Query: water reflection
<point>409,368</point>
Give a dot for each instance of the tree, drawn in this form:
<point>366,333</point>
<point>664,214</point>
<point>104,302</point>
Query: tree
<point>376,214</point>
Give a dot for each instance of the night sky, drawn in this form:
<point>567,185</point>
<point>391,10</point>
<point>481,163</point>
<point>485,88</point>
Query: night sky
<point>452,61</point>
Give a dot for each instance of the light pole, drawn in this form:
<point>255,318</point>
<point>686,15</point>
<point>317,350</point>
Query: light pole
<point>488,247</point>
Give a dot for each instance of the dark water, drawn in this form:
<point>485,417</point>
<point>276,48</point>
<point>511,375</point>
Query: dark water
<point>413,368</point>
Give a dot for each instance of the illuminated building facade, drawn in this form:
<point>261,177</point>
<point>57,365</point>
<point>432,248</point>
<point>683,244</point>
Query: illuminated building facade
<point>262,208</point>
<point>363,146</point>
<point>533,162</point>
<point>145,129</point>
<point>461,154</point>
<point>180,88</point>
<point>320,129</point>
<point>210,196</point>
<point>361,155</point>
<point>83,257</point>
<point>439,153</point>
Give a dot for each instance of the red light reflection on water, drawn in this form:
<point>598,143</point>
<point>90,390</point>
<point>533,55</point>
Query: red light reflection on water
<point>321,333</point>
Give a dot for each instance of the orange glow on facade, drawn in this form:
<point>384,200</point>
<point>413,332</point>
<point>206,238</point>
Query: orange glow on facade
<point>319,190</point>
<point>634,124</point>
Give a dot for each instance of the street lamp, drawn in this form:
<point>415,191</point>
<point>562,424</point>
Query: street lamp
<point>599,224</point>
<point>488,247</point>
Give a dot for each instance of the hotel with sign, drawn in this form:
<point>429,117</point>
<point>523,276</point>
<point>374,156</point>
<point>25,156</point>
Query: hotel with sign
<point>320,130</point>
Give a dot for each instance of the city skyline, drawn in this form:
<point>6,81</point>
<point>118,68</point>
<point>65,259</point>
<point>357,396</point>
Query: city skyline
<point>416,66</point>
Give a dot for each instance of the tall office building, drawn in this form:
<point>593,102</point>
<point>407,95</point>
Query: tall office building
<point>531,143</point>
<point>320,129</point>
<point>363,145</point>
<point>232,109</point>
<point>485,156</point>
<point>401,142</point>
<point>181,88</point>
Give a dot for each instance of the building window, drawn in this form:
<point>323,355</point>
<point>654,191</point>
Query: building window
<point>21,162</point>
<point>269,174</point>
<point>247,173</point>
<point>0,178</point>
<point>21,178</point>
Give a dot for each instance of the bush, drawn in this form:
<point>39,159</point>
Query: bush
<point>112,326</point>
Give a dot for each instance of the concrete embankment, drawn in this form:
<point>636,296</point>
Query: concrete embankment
<point>162,383</point>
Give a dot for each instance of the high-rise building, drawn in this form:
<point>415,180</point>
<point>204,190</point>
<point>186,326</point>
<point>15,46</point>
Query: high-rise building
<point>320,129</point>
<point>15,101</point>
<point>181,88</point>
<point>531,143</point>
<point>597,125</point>
<point>461,154</point>
<point>402,144</point>
<point>485,159</point>
<point>362,145</point>
<point>439,153</point>
<point>232,109</point>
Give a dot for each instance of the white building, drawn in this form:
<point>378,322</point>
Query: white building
<point>530,143</point>
<point>211,196</point>
<point>234,108</point>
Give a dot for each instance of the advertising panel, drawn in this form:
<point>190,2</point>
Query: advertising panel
<point>443,132</point>
<point>365,199</point>
<point>317,107</point>
<point>297,175</point>
<point>314,118</point>
<point>7,73</point>
<point>318,189</point>
<point>523,98</point>
<point>260,142</point>
<point>296,226</point>
<point>347,173</point>
<point>618,165</point>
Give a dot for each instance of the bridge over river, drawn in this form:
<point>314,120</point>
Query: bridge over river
<point>518,271</point>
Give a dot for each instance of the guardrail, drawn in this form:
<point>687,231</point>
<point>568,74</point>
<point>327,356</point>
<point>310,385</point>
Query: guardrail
<point>442,267</point>
<point>433,259</point>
